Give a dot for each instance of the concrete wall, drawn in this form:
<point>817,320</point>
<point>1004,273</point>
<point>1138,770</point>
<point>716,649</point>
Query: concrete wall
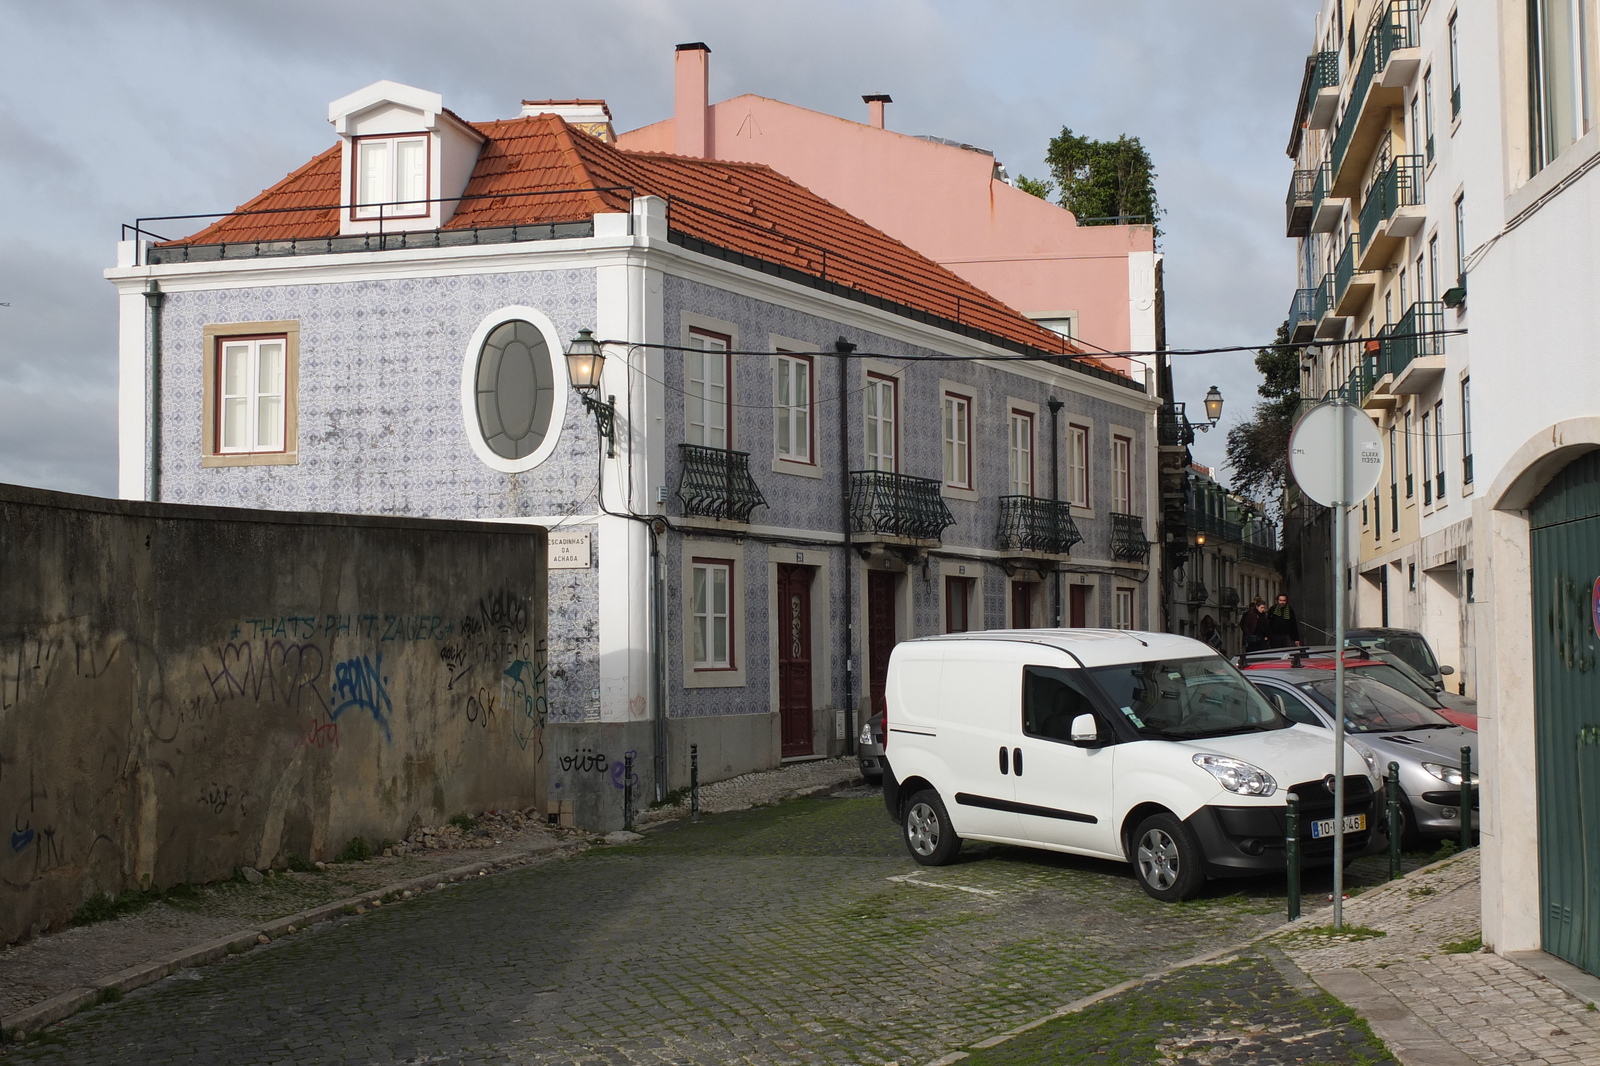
<point>186,690</point>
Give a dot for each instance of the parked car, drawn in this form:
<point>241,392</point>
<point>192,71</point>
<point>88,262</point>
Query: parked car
<point>869,750</point>
<point>1146,748</point>
<point>1389,726</point>
<point>1406,643</point>
<point>1381,666</point>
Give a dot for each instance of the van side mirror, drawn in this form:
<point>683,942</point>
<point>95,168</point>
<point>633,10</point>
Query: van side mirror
<point>1085,731</point>
<point>1447,669</point>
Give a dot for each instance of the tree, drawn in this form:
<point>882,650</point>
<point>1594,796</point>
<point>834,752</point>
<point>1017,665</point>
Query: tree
<point>1103,179</point>
<point>1258,449</point>
<point>1031,186</point>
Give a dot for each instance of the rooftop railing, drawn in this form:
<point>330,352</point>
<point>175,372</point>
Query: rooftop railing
<point>1033,524</point>
<point>716,483</point>
<point>897,505</point>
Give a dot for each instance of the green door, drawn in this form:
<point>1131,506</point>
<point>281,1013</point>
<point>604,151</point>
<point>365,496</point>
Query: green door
<point>1565,544</point>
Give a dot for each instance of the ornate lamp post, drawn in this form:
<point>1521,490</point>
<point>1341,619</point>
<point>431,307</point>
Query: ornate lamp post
<point>585,360</point>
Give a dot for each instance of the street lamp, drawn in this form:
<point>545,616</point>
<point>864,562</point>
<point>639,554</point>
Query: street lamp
<point>1213,402</point>
<point>585,359</point>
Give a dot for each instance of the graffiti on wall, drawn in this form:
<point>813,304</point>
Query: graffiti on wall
<point>500,670</point>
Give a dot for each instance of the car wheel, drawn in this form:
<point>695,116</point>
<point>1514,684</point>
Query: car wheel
<point>1410,839</point>
<point>929,835</point>
<point>1167,859</point>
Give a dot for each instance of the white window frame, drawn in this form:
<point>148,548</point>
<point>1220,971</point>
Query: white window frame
<point>1122,473</point>
<point>1078,481</point>
<point>878,425</point>
<point>1122,608</point>
<point>391,201</point>
<point>249,402</point>
<point>706,420</point>
<point>705,573</point>
<point>469,389</point>
<point>955,429</point>
<point>794,445</point>
<point>250,334</point>
<point>1019,452</point>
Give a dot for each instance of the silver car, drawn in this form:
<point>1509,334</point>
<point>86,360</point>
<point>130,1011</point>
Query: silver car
<point>869,750</point>
<point>1392,727</point>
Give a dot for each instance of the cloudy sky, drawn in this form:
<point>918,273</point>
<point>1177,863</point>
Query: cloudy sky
<point>111,111</point>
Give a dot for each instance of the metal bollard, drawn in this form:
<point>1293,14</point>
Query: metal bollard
<point>1392,787</point>
<point>1466,798</point>
<point>1291,854</point>
<point>627,792</point>
<point>694,782</point>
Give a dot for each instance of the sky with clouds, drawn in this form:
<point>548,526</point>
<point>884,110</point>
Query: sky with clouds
<point>111,110</point>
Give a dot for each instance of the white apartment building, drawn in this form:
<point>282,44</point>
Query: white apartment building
<point>1443,152</point>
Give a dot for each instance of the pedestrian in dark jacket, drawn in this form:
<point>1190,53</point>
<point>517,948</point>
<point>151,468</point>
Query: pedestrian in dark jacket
<point>1283,628</point>
<point>1253,625</point>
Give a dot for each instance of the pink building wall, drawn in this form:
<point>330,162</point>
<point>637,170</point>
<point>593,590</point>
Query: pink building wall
<point>943,200</point>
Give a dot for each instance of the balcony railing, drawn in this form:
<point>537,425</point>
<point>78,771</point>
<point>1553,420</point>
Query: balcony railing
<point>1197,592</point>
<point>1032,524</point>
<point>1228,597</point>
<point>1420,332</point>
<point>1393,28</point>
<point>1127,537</point>
<point>1299,204</point>
<point>1173,428</point>
<point>1400,184</point>
<point>716,483</point>
<point>1345,268</point>
<point>1325,74</point>
<point>1215,525</point>
<point>1303,314</point>
<point>897,505</point>
<point>1324,297</point>
<point>1260,554</point>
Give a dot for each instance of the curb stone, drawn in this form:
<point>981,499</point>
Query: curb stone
<point>65,1004</point>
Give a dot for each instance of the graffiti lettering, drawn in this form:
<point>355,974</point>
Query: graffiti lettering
<point>523,695</point>
<point>319,734</point>
<point>220,797</point>
<point>359,683</point>
<point>270,671</point>
<point>585,761</point>
<point>480,708</point>
<point>21,838</point>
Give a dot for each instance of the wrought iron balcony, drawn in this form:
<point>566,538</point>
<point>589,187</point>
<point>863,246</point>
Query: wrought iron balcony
<point>1228,597</point>
<point>716,483</point>
<point>1031,524</point>
<point>897,505</point>
<point>1197,592</point>
<point>1299,204</point>
<point>1128,541</point>
<point>1173,428</point>
<point>1260,554</point>
<point>1398,184</point>
<point>1213,525</point>
<point>1303,315</point>
<point>1394,27</point>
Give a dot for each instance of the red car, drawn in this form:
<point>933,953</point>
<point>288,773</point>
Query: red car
<point>1382,672</point>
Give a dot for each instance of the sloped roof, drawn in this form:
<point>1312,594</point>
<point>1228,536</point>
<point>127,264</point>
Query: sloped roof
<point>537,169</point>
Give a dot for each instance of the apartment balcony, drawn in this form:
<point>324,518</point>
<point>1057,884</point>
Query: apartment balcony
<point>1326,210</point>
<point>1329,325</point>
<point>1215,526</point>
<point>898,506</point>
<point>1128,541</point>
<point>1228,597</point>
<point>1031,525</point>
<point>1259,554</point>
<point>1196,593</point>
<point>716,483</point>
<point>1376,373</point>
<point>1173,428</point>
<point>1303,315</point>
<point>1389,61</point>
<point>1352,287</point>
<point>1417,349</point>
<point>1323,90</point>
<point>1391,210</point>
<point>1298,205</point>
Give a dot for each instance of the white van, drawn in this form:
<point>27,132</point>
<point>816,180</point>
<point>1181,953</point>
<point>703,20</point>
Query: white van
<point>1141,747</point>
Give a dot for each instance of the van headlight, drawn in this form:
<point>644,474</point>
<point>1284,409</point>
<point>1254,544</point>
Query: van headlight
<point>1237,776</point>
<point>1450,775</point>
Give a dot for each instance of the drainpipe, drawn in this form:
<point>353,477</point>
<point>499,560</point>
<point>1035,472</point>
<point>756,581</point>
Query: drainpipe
<point>844,348</point>
<point>153,297</point>
<point>1055,406</point>
<point>658,656</point>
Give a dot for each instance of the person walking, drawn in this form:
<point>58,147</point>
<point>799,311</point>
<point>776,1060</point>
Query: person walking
<point>1253,625</point>
<point>1210,633</point>
<point>1283,627</point>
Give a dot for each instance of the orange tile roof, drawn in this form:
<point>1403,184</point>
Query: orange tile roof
<point>750,210</point>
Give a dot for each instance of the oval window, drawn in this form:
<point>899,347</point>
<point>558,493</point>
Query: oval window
<point>515,389</point>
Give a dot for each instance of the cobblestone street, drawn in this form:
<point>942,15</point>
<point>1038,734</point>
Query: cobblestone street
<point>796,933</point>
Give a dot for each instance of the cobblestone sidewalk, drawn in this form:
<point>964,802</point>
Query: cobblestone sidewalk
<point>63,971</point>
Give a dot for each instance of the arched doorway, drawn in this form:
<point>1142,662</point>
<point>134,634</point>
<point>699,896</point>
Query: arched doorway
<point>1564,558</point>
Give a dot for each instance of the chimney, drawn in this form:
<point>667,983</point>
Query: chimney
<point>590,116</point>
<point>875,104</point>
<point>690,101</point>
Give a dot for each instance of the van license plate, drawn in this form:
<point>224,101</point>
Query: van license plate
<point>1353,823</point>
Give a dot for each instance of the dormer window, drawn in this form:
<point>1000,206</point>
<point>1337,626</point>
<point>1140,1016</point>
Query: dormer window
<point>391,177</point>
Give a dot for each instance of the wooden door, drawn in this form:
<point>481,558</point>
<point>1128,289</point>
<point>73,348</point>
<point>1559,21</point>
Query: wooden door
<point>1078,608</point>
<point>794,660</point>
<point>880,633</point>
<point>1021,605</point>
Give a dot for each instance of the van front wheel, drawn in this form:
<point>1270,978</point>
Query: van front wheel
<point>929,835</point>
<point>1167,859</point>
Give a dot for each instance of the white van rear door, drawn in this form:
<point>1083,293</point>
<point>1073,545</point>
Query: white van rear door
<point>1065,793</point>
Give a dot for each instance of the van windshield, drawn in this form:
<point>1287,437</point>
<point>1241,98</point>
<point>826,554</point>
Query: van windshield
<point>1186,699</point>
